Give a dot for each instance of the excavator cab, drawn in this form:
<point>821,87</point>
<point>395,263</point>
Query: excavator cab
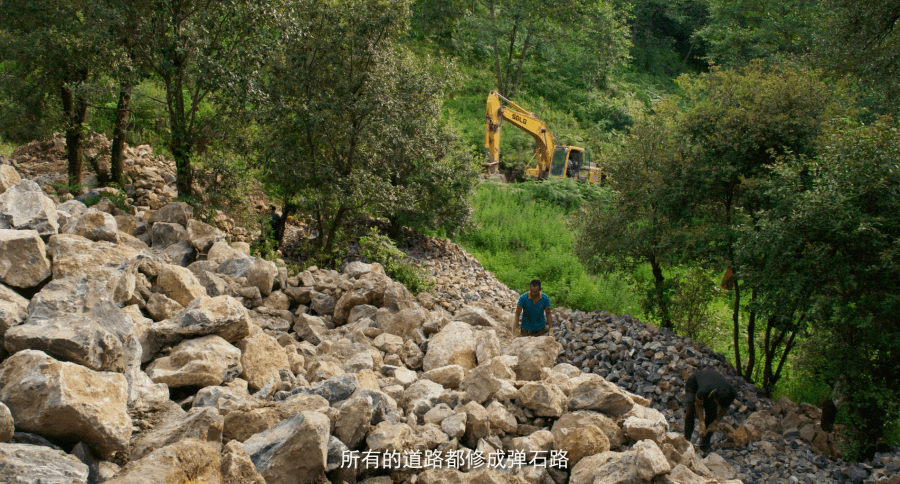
<point>560,163</point>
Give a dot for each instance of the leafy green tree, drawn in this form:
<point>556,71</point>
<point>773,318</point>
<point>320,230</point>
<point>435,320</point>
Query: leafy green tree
<point>842,232</point>
<point>352,123</point>
<point>641,224</point>
<point>664,40</point>
<point>207,54</point>
<point>48,45</point>
<point>739,31</point>
<point>860,39</point>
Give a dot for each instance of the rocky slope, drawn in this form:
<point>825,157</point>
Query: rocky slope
<point>141,346</point>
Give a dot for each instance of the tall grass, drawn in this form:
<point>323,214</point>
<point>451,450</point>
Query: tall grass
<point>520,237</point>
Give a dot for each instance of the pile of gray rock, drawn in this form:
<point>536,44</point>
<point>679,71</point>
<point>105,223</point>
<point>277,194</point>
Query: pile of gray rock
<point>145,348</point>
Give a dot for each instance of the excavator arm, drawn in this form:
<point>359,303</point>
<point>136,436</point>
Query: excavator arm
<point>521,118</point>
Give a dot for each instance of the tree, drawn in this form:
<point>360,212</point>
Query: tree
<point>738,121</point>
<point>641,225</point>
<point>352,123</point>
<point>49,46</point>
<point>207,55</point>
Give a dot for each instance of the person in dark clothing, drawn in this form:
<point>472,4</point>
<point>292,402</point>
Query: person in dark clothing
<point>707,397</point>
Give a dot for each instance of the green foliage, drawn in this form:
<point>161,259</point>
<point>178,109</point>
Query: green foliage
<point>375,247</point>
<point>117,198</point>
<point>520,238</point>
<point>225,180</point>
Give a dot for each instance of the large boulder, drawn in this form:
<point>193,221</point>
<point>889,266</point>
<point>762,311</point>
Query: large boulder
<point>650,460</point>
<point>224,316</point>
<point>74,320</point>
<point>600,395</point>
<point>368,289</point>
<point>454,345</point>
<point>29,464</point>
<point>25,206</point>
<point>606,467</point>
<point>164,235</point>
<point>186,461</point>
<point>42,393</point>
<point>161,307</point>
<point>543,398</point>
<point>262,359</point>
<point>76,256</point>
<point>93,225</point>
<point>179,284</point>
<point>480,384</point>
<point>23,258</point>
<point>202,236</point>
<point>353,421</point>
<point>9,178</point>
<point>333,389</point>
<point>13,309</point>
<point>202,423</point>
<point>581,442</point>
<point>261,274</point>
<point>173,213</point>
<point>237,468</point>
<point>292,452</point>
<point>534,354</point>
<point>201,362</point>
<point>242,422</point>
<point>219,252</point>
<point>403,324</point>
<point>585,418</point>
<point>310,328</point>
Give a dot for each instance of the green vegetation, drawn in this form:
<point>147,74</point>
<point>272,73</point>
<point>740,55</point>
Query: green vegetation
<point>375,247</point>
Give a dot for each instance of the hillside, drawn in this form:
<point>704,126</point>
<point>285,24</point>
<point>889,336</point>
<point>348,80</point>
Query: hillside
<point>174,356</point>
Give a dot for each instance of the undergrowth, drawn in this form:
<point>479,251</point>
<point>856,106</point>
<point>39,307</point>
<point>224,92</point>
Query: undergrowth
<point>375,247</point>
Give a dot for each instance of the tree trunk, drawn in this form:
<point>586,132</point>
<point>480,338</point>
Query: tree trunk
<point>661,304</point>
<point>180,144</point>
<point>75,110</point>
<point>117,155</point>
<point>736,320</point>
<point>751,346</point>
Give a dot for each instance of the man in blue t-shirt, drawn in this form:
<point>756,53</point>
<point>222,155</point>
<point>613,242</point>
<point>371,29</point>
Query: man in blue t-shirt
<point>534,307</point>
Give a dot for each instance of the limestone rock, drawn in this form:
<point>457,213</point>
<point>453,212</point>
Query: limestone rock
<point>262,358</point>
<point>202,423</point>
<point>534,353</point>
<point>389,437</point>
<point>175,213</point>
<point>480,384</point>
<point>454,345</point>
<point>292,452</point>
<point>76,256</point>
<point>13,309</point>
<point>222,315</point>
<point>202,236</point>
<point>649,460</point>
<point>42,392</point>
<point>581,442</point>
<point>219,252</point>
<point>606,468</point>
<point>322,304</point>
<point>179,284</point>
<point>585,418</point>
<point>94,225</point>
<point>333,389</point>
<point>412,355</point>
<point>29,464</point>
<point>310,328</point>
<point>205,361</point>
<point>478,424</point>
<point>454,425</point>
<point>164,235</point>
<point>24,206</point>
<point>185,461</point>
<point>487,346</point>
<point>718,466</point>
<point>243,421</point>
<point>74,320</point>
<point>237,468</point>
<point>600,395</point>
<point>368,289</point>
<point>500,418</point>
<point>9,177</point>
<point>682,475</point>
<point>353,421</point>
<point>542,398</point>
<point>641,428</point>
<point>357,268</point>
<point>404,323</point>
<point>421,396</point>
<point>23,258</point>
<point>323,370</point>
<point>162,307</point>
<point>7,425</point>
<point>261,274</point>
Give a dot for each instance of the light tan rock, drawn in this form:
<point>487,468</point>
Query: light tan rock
<point>478,424</point>
<point>534,353</point>
<point>421,396</point>
<point>718,466</point>
<point>323,369</point>
<point>412,355</point>
<point>600,395</point>
<point>310,328</point>
<point>293,452</point>
<point>277,300</point>
<point>389,343</point>
<point>501,419</point>
<point>368,289</point>
<point>537,443</point>
<point>455,425</point>
<point>220,252</point>
<point>25,464</point>
<point>204,423</point>
<point>682,475</point>
<point>13,309</point>
<point>245,419</point>
<point>487,346</point>
<point>649,459</point>
<point>404,323</point>
<point>93,225</point>
<point>7,425</point>
<point>262,274</point>
<point>480,384</point>
<point>202,236</point>
<point>606,468</point>
<point>41,392</point>
<point>179,284</point>
<point>542,398</point>
<point>189,460</point>
<point>24,206</point>
<point>162,307</point>
<point>437,414</point>
<point>581,442</point>
<point>164,235</point>
<point>174,213</point>
<point>262,359</point>
<point>76,256</point>
<point>641,428</point>
<point>9,178</point>
<point>237,468</point>
<point>223,316</point>
<point>454,345</point>
<point>23,258</point>
<point>389,437</point>
<point>585,418</point>
<point>353,421</point>
<point>205,361</point>
<point>449,376</point>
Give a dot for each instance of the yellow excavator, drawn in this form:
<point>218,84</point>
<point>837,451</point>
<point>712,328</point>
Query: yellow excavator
<point>553,160</point>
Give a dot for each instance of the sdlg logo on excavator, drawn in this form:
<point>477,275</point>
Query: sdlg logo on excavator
<point>520,119</point>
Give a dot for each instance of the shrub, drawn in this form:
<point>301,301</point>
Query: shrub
<point>379,248</point>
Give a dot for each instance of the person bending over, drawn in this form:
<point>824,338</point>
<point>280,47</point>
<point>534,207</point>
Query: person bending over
<point>707,397</point>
